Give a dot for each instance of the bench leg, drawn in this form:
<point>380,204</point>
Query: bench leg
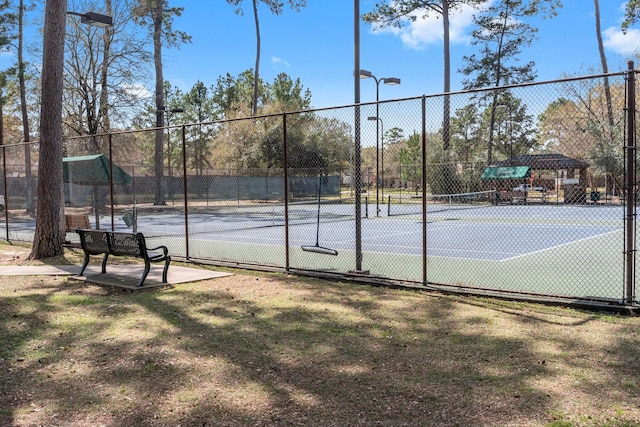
<point>166,269</point>
<point>147,267</point>
<point>84,264</point>
<point>104,263</point>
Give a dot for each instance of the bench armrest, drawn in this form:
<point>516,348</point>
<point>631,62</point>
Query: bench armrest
<point>158,257</point>
<point>162,248</point>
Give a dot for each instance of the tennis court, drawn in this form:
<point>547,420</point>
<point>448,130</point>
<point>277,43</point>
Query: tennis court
<point>486,233</point>
<point>505,247</point>
<point>555,249</point>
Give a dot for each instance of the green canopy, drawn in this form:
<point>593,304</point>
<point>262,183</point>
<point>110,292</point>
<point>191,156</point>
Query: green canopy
<point>507,172</point>
<point>93,170</point>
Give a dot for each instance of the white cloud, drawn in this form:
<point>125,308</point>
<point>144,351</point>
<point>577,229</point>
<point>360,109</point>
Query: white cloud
<point>428,31</point>
<point>276,60</point>
<point>137,91</point>
<point>620,43</point>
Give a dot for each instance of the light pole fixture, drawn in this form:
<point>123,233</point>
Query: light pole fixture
<point>365,74</point>
<point>94,19</point>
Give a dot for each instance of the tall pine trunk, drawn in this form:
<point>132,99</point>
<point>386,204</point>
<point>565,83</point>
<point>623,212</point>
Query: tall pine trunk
<point>605,69</point>
<point>446,118</point>
<point>256,76</point>
<point>49,232</point>
<point>160,107</point>
<point>26,131</point>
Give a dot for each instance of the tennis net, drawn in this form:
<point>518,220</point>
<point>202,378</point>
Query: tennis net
<point>245,216</point>
<point>403,205</point>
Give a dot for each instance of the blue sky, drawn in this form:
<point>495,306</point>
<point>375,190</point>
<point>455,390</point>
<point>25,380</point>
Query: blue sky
<point>317,46</point>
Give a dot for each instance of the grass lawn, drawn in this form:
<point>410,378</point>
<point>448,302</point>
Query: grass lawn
<point>260,349</point>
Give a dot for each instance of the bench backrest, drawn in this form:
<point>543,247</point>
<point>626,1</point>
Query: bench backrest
<point>127,244</point>
<point>122,244</point>
<point>94,241</point>
<point>73,221</point>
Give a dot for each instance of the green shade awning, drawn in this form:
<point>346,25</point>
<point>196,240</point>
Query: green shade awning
<point>93,170</point>
<point>507,172</point>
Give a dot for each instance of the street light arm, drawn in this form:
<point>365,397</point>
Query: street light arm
<point>94,19</point>
<point>364,74</point>
<point>391,80</point>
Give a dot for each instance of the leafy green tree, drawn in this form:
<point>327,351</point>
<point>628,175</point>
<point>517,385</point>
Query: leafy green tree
<point>466,132</point>
<point>290,95</point>
<point>8,20</point>
<point>399,13</point>
<point>275,7</point>
<point>313,141</point>
<point>631,14</point>
<point>441,170</point>
<point>393,141</point>
<point>234,95</point>
<point>410,158</point>
<point>516,131</point>
<point>501,33</point>
<point>319,142</point>
<point>200,107</point>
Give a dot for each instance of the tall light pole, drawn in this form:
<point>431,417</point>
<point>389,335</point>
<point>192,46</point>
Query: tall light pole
<point>364,74</point>
<point>378,119</point>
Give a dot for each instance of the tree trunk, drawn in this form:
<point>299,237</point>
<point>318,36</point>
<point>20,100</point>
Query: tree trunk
<point>49,232</point>
<point>605,69</point>
<point>26,131</point>
<point>446,119</point>
<point>159,141</point>
<point>256,76</point>
<point>498,82</point>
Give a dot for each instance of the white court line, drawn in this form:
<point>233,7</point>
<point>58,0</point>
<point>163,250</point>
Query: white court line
<point>564,244</point>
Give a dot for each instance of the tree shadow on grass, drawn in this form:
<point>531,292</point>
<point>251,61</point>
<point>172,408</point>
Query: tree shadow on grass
<point>264,351</point>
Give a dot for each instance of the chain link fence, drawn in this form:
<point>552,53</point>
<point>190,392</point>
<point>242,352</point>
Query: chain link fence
<point>522,190</point>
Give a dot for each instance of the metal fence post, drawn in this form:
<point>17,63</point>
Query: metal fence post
<point>110,143</point>
<point>423,143</point>
<point>285,166</point>
<point>630,190</point>
<point>186,195</point>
